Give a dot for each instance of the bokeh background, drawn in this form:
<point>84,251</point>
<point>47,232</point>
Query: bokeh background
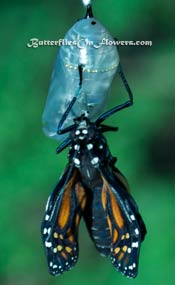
<point>145,144</point>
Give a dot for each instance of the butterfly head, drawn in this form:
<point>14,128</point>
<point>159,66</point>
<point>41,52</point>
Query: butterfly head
<point>84,131</point>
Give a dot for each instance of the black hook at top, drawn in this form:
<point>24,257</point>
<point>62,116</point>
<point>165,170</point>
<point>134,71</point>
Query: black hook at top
<point>89,13</point>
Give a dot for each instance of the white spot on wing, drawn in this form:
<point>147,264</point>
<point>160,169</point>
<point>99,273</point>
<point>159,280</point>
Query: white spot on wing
<point>135,244</point>
<point>45,231</point>
<point>48,244</point>
<point>46,217</point>
<point>54,266</point>
<point>132,217</point>
<point>136,231</point>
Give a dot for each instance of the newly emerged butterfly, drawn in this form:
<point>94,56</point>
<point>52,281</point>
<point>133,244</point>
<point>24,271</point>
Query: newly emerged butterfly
<point>91,186</point>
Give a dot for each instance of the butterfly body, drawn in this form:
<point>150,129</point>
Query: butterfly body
<point>92,187</point>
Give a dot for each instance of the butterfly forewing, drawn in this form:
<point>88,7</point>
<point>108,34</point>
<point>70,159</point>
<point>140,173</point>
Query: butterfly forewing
<point>61,221</point>
<point>126,226</point>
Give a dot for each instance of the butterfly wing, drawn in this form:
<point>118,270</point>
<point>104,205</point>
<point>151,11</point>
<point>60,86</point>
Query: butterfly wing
<point>126,225</point>
<point>121,180</point>
<point>61,221</point>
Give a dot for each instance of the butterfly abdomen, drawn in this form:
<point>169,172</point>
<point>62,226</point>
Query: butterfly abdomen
<point>100,231</point>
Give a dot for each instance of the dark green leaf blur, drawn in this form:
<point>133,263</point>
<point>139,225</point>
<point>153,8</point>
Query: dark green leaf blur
<point>144,145</point>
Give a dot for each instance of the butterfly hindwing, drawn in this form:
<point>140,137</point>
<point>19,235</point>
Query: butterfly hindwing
<point>61,221</point>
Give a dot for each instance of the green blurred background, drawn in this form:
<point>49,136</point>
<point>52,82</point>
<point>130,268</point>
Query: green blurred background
<point>145,144</point>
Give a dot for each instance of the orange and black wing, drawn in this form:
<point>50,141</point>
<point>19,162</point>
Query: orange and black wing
<point>60,225</point>
<point>127,229</point>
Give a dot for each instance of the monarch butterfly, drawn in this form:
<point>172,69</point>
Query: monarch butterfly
<point>88,58</point>
<point>91,186</point>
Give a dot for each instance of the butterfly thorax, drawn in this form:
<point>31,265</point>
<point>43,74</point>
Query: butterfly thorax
<point>88,151</point>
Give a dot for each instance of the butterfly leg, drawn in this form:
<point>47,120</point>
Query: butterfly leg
<point>112,111</point>
<point>63,145</point>
<point>66,113</point>
<point>123,78</point>
<point>115,109</point>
